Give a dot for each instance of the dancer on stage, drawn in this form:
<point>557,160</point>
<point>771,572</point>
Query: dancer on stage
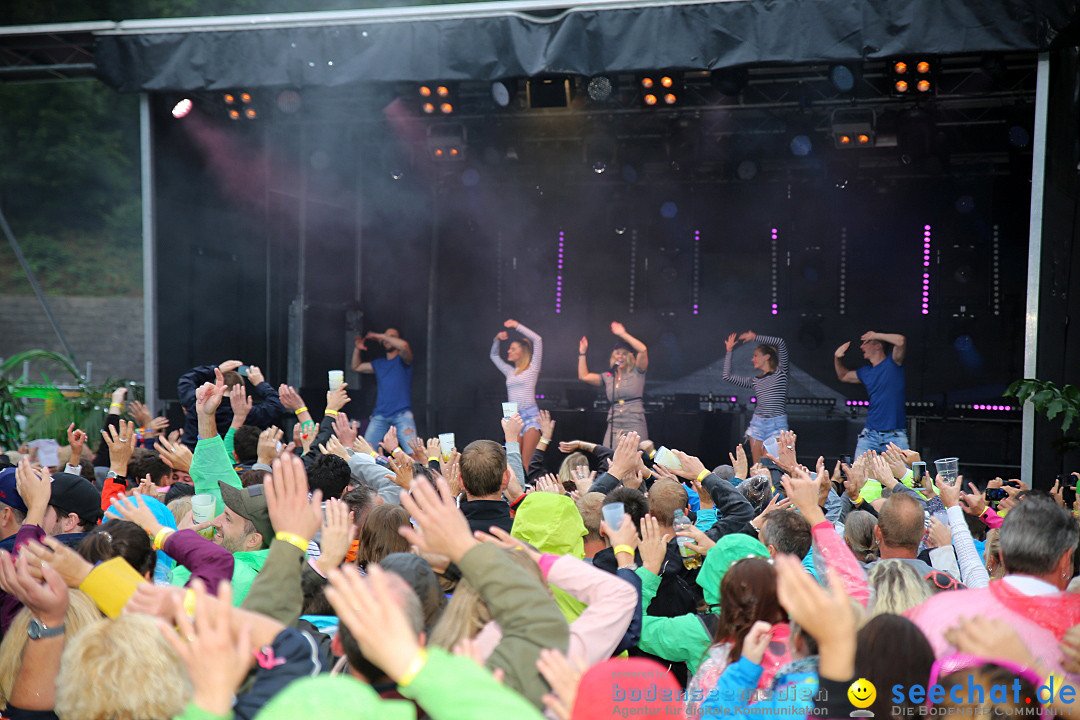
<point>770,359</point>
<point>886,418</point>
<point>522,370</point>
<point>393,380</point>
<point>624,384</point>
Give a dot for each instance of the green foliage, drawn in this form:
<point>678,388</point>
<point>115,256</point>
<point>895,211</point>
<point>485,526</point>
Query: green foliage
<point>1046,397</point>
<point>49,410</point>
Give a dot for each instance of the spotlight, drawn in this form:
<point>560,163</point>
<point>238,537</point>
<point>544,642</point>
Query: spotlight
<point>182,108</point>
<point>444,93</point>
<point>923,67</point>
<point>911,74</point>
<point>842,78</point>
<point>502,92</point>
<point>446,142</point>
<point>899,67</point>
<point>245,98</point>
<point>900,86</point>
<point>234,114</point>
<point>428,108</point>
<point>229,99</point>
<point>853,127</point>
<point>923,86</point>
<point>249,113</point>
<point>801,146</point>
<point>668,83</point>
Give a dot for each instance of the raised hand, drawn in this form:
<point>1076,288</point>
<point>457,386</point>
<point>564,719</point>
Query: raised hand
<point>174,454</point>
<point>785,443</point>
<point>691,466</point>
<point>135,510</point>
<point>337,398</point>
<point>338,533</point>
<point>140,413</point>
<point>208,397</point>
<point>433,449</point>
<point>440,527</point>
<point>563,676</point>
<point>344,429</point>
<point>549,483</point>
<point>418,450</point>
<point>775,503</point>
<point>72,567</point>
<point>241,404</point>
<point>512,324</point>
<point>653,545</point>
<point>255,375</point>
<point>730,343</point>
<point>939,535</point>
<point>360,343</point>
<point>506,541</point>
<point>583,345</point>
<point>290,399</point>
<point>217,657</point>
<point>512,427</point>
<point>842,350</point>
<point>46,596</point>
<point>76,440</point>
<point>738,461</point>
<point>803,491</point>
<point>950,494</point>
<point>333,446</point>
<point>361,445</point>
<point>547,425</point>
<point>229,365</point>
<point>287,500</point>
<point>568,446</point>
<point>973,503</point>
<point>390,441</point>
<point>756,641</point>
<point>403,470</point>
<point>748,336</point>
<point>701,544</point>
<point>503,336</point>
<point>826,614</point>
<point>626,456</point>
<point>618,329</point>
<point>856,479</point>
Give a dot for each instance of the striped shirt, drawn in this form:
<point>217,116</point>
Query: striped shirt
<point>521,388</point>
<point>770,388</point>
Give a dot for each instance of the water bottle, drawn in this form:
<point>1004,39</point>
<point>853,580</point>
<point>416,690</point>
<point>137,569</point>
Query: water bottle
<point>690,559</point>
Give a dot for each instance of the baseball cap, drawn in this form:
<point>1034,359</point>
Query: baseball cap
<point>8,494</point>
<point>75,494</point>
<point>250,504</point>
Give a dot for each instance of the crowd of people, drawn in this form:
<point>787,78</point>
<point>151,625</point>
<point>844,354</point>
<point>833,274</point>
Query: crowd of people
<point>221,571</point>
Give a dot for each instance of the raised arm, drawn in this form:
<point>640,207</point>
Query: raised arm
<point>898,341</point>
<point>842,373</point>
<point>781,351</point>
<point>740,380</point>
<point>640,350</point>
<point>538,346</point>
<point>505,368</point>
<point>583,373</point>
<point>395,342</point>
<point>358,364</point>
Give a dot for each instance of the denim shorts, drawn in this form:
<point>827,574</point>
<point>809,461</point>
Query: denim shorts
<point>531,415</point>
<point>764,428</point>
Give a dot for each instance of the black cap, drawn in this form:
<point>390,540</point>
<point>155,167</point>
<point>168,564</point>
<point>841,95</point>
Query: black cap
<point>76,494</point>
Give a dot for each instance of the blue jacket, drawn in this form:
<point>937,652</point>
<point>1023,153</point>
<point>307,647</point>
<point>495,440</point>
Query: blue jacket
<point>791,695</point>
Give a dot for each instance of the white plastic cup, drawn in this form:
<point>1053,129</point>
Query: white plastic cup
<point>613,514</point>
<point>446,445</point>
<point>509,408</point>
<point>948,469</point>
<point>772,447</point>
<point>202,508</point>
<point>336,378</point>
<point>667,458</point>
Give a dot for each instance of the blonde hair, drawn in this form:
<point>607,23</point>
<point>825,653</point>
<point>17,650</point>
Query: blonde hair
<point>467,613</point>
<point>180,507</point>
<point>81,613</point>
<point>896,587</point>
<point>572,462</point>
<point>526,355</point>
<point>98,664</point>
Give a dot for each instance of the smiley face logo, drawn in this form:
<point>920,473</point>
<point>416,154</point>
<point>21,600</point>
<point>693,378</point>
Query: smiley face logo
<point>862,693</point>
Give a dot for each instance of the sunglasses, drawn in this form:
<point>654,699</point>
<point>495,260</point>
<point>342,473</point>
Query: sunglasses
<point>944,581</point>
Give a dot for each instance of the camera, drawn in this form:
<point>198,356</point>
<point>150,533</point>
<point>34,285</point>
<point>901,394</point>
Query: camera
<point>996,494</point>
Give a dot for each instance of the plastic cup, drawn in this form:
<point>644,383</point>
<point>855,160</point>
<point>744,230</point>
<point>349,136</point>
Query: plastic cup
<point>613,514</point>
<point>667,458</point>
<point>202,507</point>
<point>509,408</point>
<point>446,445</point>
<point>948,469</point>
<point>772,447</point>
<point>336,378</point>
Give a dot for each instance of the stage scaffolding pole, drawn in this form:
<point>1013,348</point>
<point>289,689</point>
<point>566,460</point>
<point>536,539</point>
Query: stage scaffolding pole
<point>1034,263</point>
<point>146,164</point>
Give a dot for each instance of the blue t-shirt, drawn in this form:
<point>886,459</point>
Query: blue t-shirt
<point>394,379</point>
<point>885,385</point>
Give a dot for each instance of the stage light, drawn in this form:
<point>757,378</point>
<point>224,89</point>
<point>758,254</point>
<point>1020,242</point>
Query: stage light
<point>428,108</point>
<point>801,146</point>
<point>669,81</point>
<point>600,88</point>
<point>901,86</point>
<point>245,98</point>
<point>774,260</point>
<point>500,93</point>
<point>927,235</point>
<point>249,113</point>
<point>647,83</point>
<point>923,86</point>
<point>669,99</point>
<point>903,80</point>
<point>863,139</point>
<point>899,67</point>
<point>666,81</point>
<point>558,273</point>
<point>182,108</point>
<point>229,99</point>
<point>843,139</point>
<point>446,94</point>
<point>446,142</point>
<point>234,114</point>
<point>424,91</point>
<point>923,67</point>
<point>446,108</point>
<point>853,127</point>
<point>649,99</point>
<point>442,91</point>
<point>842,78</point>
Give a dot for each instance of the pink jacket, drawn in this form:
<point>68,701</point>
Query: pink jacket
<point>597,631</point>
<point>838,556</point>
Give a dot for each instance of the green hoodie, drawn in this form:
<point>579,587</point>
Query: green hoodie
<point>685,638</point>
<point>552,524</point>
<point>246,565</point>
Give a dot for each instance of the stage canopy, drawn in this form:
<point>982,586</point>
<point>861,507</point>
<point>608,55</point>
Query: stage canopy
<point>489,41</point>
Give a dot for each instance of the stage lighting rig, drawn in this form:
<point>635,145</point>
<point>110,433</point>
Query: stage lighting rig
<point>446,142</point>
<point>660,89</point>
<point>854,128</point>
<point>240,105</point>
<point>910,77</point>
<point>437,98</point>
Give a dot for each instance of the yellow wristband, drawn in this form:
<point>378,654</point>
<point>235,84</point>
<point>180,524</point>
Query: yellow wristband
<point>189,603</point>
<point>293,539</point>
<point>301,410</point>
<point>624,549</point>
<point>116,405</point>
<point>433,459</point>
<point>331,412</point>
<point>162,535</point>
<point>373,454</point>
<point>417,664</point>
<point>543,441</point>
<point>702,475</point>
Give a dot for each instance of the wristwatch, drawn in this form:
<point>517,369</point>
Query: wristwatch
<point>37,630</point>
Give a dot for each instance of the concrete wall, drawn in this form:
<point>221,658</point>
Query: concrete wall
<point>108,332</point>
